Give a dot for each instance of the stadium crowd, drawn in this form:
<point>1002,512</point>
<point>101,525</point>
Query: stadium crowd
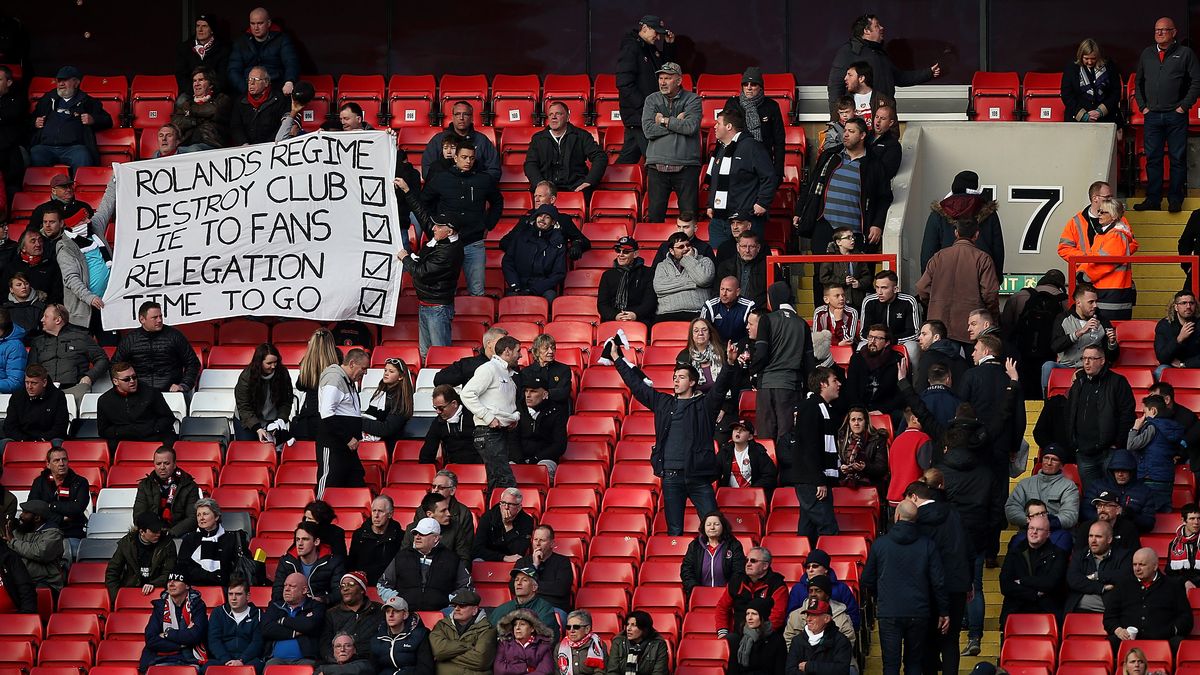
<point>927,414</point>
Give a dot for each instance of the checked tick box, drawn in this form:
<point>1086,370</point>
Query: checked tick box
<point>372,190</point>
<point>372,302</point>
<point>376,230</point>
<point>376,266</point>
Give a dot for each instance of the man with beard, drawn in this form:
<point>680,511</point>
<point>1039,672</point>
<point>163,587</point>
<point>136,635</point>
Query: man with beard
<point>872,374</point>
<point>356,615</point>
<point>1093,573</point>
<point>935,348</point>
<point>1108,508</point>
<point>1176,340</point>
<point>1078,328</point>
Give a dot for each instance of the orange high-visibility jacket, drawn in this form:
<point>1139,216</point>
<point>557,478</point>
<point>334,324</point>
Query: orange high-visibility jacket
<point>1117,241</point>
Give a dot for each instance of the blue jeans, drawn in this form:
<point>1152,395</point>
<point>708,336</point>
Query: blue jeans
<point>1169,128</point>
<point>902,633</point>
<point>976,609</point>
<point>676,490</point>
<point>474,264</point>
<point>433,322</point>
<point>73,156</point>
<point>1158,370</point>
<point>1092,468</point>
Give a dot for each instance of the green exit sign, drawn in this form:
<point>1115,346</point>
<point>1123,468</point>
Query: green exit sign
<point>1015,282</point>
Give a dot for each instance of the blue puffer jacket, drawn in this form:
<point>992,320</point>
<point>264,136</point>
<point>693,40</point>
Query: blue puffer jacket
<point>1137,501</point>
<point>12,361</point>
<point>1156,461</point>
<point>537,260</point>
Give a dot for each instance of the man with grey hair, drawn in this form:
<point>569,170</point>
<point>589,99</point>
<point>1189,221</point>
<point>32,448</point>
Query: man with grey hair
<point>459,373</point>
<point>345,658</point>
<point>1147,606</point>
<point>505,530</point>
<point>491,395</point>
<point>671,123</point>
<point>65,122</point>
<point>757,580</point>
<point>525,596</point>
<point>257,114</point>
<point>340,425</point>
<point>581,651</point>
<point>445,482</point>
<point>374,544</point>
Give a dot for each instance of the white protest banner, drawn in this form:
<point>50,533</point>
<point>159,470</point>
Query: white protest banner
<point>303,228</point>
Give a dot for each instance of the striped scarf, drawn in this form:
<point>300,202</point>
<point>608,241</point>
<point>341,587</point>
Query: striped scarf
<point>753,120</point>
<point>720,166</point>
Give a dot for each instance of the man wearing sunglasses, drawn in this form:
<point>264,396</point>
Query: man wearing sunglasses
<point>130,412</point>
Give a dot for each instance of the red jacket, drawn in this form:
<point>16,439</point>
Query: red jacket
<point>738,594</point>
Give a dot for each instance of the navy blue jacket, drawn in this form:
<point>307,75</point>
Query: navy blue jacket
<point>1156,461</point>
<point>701,414</point>
<point>276,54</point>
<point>278,624</point>
<point>537,260</point>
<point>1168,349</point>
<point>904,573</point>
<point>1137,501</point>
<point>940,521</point>
<point>176,647</point>
<point>228,640</point>
<point>941,400</point>
<point>406,653</point>
<point>841,593</point>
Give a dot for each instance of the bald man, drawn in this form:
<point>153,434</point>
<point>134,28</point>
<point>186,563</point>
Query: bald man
<point>292,628</point>
<point>264,45</point>
<point>1166,86</point>
<point>1031,579</point>
<point>1150,602</point>
<point>1094,573</point>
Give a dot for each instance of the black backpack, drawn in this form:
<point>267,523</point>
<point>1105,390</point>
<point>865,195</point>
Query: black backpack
<point>1035,325</point>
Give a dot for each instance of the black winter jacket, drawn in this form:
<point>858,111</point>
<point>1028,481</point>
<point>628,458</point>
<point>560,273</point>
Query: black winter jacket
<point>69,355</point>
<point>1112,569</point>
<point>945,214</point>
<point>875,193</point>
<point>772,125</point>
<point>67,503</point>
<point>873,388</point>
<point>1031,580</point>
<point>162,358</point>
<point>493,542</point>
<point>434,269</point>
<point>457,441</point>
<point>691,568</point>
<point>142,416</point>
<point>565,163</point>
<point>987,388</point>
<point>945,352</point>
<point>323,579</point>
<point>471,199</point>
<point>406,653</point>
<point>941,522</point>
<point>180,517</point>
<point>370,552</point>
<point>887,149</point>
<point>636,74</point>
<point>887,75</point>
<point>767,655</point>
<point>1160,612</point>
<point>534,440</point>
<point>831,656</point>
<point>225,550</point>
<point>41,419</point>
<point>700,415</point>
<point>763,472</point>
<point>251,125</point>
<point>1168,349</point>
<point>536,262</point>
<point>425,592</point>
<point>639,294</point>
<point>276,54</point>
<point>18,584</point>
<point>807,456</point>
<point>577,244</point>
<point>968,489</point>
<point>751,180</point>
<point>1100,410</point>
<point>904,573</point>
<point>752,275</point>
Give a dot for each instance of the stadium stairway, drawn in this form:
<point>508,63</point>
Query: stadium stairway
<point>991,580</point>
<point>1157,233</point>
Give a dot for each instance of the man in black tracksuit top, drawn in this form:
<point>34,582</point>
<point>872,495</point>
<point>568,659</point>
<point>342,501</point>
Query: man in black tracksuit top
<point>637,77</point>
<point>471,199</point>
<point>453,430</point>
<point>682,455</point>
<point>434,271</point>
<point>808,457</point>
<point>783,355</point>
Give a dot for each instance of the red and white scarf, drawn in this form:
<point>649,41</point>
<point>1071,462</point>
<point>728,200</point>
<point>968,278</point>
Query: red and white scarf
<point>566,654</point>
<point>183,620</point>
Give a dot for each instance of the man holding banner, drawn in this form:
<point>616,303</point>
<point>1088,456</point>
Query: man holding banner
<point>341,424</point>
<point>434,269</point>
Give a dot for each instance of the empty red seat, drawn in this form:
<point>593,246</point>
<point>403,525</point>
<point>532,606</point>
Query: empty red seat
<point>410,100</point>
<point>614,205</point>
<point>592,428</point>
<point>714,91</point>
<point>994,96</point>
<point>412,140</point>
<point>152,100</point>
<point>524,308</point>
<point>1086,651</point>
<point>704,652</point>
<point>440,357</point>
<point>243,332</point>
<point>607,102</point>
<point>582,282</point>
<point>119,652</point>
<point>115,145</point>
<point>15,654</point>
<point>1043,97</point>
<point>111,91</point>
<point>514,100</point>
<point>1027,651</point>
<point>66,652</point>
<point>581,474</point>
<point>84,599</point>
<point>603,599</point>
<point>71,624</point>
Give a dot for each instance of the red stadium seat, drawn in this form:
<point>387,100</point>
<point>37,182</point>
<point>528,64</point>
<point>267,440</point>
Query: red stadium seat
<point>71,624</point>
<point>126,624</point>
<point>604,573</point>
<point>440,357</point>
<point>115,145</point>
<point>119,652</point>
<point>243,332</point>
<point>1043,97</point>
<point>1158,653</point>
<point>607,102</point>
<point>21,628</point>
<point>410,100</point>
<point>714,91</point>
<point>616,548</point>
<point>19,655</point>
<point>610,205</point>
<point>582,282</point>
<point>603,599</point>
<point>1086,651</point>
<point>782,88</point>
<point>514,100</point>
<point>111,91</point>
<point>574,308</point>
<point>1026,651</point>
<point>1138,356</point>
<point>412,140</point>
<point>1041,625</point>
<point>523,308</point>
<point>994,96</point>
<point>1135,331</point>
<point>469,88</point>
<point>514,146</point>
<point>366,91</point>
<point>66,652</point>
<point>704,652</point>
<point>37,179</point>
<point>670,599</point>
<point>152,100</point>
<point>591,428</point>
<point>581,474</point>
<point>85,599</point>
<point>622,523</point>
<point>87,574</point>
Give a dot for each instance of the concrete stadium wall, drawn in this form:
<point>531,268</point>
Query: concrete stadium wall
<point>1039,173</point>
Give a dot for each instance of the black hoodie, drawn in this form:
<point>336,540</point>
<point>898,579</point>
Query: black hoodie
<point>939,521</point>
